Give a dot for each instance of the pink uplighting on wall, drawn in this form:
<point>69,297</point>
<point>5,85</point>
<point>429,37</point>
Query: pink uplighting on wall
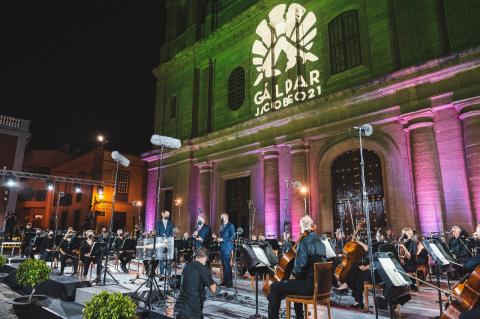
<point>150,207</point>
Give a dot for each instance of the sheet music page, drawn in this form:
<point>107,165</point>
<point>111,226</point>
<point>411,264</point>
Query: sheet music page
<point>389,267</point>
<point>261,255</point>
<point>328,248</point>
<point>439,254</point>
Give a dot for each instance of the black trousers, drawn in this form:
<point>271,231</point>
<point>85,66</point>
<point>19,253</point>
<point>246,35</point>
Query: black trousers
<point>124,257</point>
<point>355,280</point>
<point>88,260</point>
<point>49,255</point>
<point>280,289</point>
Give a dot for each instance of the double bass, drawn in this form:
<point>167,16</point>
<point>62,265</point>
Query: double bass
<point>285,266</point>
<point>352,253</point>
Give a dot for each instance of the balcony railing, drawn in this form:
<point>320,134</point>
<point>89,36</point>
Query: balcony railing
<point>14,122</point>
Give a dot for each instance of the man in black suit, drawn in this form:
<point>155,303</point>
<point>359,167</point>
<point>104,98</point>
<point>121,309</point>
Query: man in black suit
<point>165,230</point>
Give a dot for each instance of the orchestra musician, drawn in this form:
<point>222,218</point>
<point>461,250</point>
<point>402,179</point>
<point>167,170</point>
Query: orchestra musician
<point>227,237</point>
<point>472,262</point>
<point>27,236</point>
<point>48,251</point>
<point>390,235</point>
<point>35,244</point>
<point>408,252</point>
<point>339,242</point>
<point>422,253</point>
<point>310,250</point>
<point>87,258</point>
<point>165,229</point>
<point>287,242</point>
<point>202,233</point>
<point>69,250</point>
<point>123,255</point>
<point>458,245</point>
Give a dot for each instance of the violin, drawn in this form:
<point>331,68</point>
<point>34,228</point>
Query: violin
<point>352,254</point>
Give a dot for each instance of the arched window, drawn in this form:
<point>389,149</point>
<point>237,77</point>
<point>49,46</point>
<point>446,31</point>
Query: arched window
<point>344,40</point>
<point>236,89</point>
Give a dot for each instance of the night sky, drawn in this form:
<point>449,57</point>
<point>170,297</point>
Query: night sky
<point>78,68</point>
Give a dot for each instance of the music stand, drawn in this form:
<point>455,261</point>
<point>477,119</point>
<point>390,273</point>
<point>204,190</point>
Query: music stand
<point>258,263</point>
<point>442,259</point>
<point>390,271</point>
<point>100,248</point>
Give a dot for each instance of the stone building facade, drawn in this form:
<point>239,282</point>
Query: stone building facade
<point>263,93</point>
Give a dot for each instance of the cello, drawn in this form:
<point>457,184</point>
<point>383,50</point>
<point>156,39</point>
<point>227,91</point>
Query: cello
<point>352,253</point>
<point>285,265</point>
<point>467,296</point>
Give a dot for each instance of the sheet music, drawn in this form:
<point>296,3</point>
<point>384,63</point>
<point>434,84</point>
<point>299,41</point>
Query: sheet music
<point>439,254</point>
<point>388,266</point>
<point>328,248</point>
<point>261,255</point>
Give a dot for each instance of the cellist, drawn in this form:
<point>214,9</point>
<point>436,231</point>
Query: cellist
<point>310,250</point>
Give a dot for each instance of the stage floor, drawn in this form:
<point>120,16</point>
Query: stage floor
<point>422,305</point>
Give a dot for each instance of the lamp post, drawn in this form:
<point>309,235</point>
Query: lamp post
<point>178,203</point>
<point>304,192</point>
<point>139,205</point>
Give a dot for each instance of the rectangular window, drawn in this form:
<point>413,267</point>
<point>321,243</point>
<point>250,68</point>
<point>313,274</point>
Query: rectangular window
<point>78,198</point>
<point>344,41</point>
<point>122,186</point>
<point>173,106</point>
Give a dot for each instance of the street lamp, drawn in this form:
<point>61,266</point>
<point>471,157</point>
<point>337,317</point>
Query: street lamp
<point>304,192</point>
<point>139,205</point>
<point>101,139</point>
<point>10,182</point>
<point>78,188</point>
<point>50,185</point>
<point>178,203</point>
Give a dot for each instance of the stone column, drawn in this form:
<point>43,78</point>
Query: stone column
<point>299,173</point>
<point>205,190</point>
<point>470,117</point>
<point>426,175</point>
<point>151,202</point>
<point>448,135</point>
<point>271,192</point>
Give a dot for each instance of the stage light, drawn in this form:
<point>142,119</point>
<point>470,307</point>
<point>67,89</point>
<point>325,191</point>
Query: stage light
<point>100,190</point>
<point>304,190</point>
<point>50,185</point>
<point>10,182</point>
<point>100,138</point>
<point>178,202</point>
<point>78,188</point>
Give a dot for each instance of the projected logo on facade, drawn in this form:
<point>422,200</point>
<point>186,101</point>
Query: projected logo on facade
<point>286,36</point>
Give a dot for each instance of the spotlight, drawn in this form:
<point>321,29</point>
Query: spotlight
<point>178,202</point>
<point>100,138</point>
<point>10,182</point>
<point>78,188</point>
<point>100,190</point>
<point>303,190</point>
<point>137,203</point>
<point>50,185</point>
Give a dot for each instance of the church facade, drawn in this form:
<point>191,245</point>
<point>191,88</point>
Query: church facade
<point>266,97</point>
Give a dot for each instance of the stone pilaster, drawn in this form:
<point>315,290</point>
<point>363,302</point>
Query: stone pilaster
<point>205,189</point>
<point>299,173</point>
<point>271,191</point>
<point>425,173</point>
<point>470,117</point>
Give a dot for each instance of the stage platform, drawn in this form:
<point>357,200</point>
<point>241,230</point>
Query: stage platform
<point>422,306</point>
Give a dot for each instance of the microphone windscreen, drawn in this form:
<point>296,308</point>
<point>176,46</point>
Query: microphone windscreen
<point>297,185</point>
<point>120,158</point>
<point>239,230</point>
<point>168,142</point>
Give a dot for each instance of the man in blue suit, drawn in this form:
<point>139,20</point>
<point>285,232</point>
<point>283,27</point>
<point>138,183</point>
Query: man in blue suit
<point>164,229</point>
<point>227,237</point>
<point>202,234</point>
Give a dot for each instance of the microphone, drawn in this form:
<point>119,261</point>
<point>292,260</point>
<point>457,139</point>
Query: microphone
<point>365,129</point>
<point>165,141</point>
<point>61,194</point>
<point>239,230</point>
<point>117,157</point>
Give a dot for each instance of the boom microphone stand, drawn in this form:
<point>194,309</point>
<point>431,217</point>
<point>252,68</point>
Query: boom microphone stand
<point>367,130</point>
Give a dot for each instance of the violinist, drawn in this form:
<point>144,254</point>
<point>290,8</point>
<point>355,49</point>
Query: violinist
<point>422,253</point>
<point>123,255</point>
<point>310,250</point>
<point>458,245</point>
<point>48,251</point>
<point>87,257</point>
<point>408,252</point>
<point>35,244</point>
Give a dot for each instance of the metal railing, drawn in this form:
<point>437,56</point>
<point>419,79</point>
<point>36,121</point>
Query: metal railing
<point>10,121</point>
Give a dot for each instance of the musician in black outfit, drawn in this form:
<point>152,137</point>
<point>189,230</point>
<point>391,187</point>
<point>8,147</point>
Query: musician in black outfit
<point>310,250</point>
<point>47,248</point>
<point>123,255</point>
<point>87,257</point>
<point>69,250</point>
<point>35,244</point>
<point>458,245</point>
<point>28,234</point>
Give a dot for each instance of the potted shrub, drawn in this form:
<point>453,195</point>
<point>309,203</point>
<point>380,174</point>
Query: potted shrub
<point>30,273</point>
<point>107,305</point>
<point>3,261</point>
